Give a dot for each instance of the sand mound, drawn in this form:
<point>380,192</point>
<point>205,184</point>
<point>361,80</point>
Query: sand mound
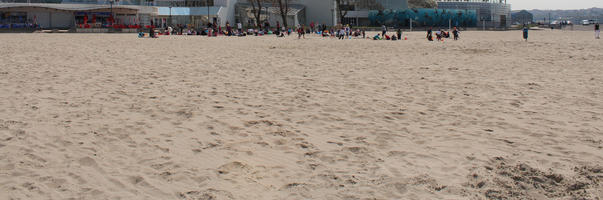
<point>503,179</point>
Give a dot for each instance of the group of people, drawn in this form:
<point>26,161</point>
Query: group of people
<point>384,36</point>
<point>440,35</point>
<point>341,33</point>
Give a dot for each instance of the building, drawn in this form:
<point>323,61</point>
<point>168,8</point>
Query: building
<point>424,17</point>
<point>197,13</point>
<point>490,13</point>
<point>522,17</point>
<point>269,13</point>
<point>52,15</point>
<point>106,13</point>
<point>358,13</point>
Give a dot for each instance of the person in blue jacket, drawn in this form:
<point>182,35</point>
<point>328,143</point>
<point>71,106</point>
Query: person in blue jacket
<point>525,32</point>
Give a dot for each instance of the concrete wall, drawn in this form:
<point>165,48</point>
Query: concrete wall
<point>42,17</point>
<point>62,20</point>
<point>318,11</point>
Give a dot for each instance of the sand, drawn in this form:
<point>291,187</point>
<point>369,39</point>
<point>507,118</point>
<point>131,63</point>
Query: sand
<point>112,116</point>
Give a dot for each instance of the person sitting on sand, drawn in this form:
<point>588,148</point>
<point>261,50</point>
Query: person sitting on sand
<point>376,37</point>
<point>325,33</point>
<point>439,35</point>
<point>394,37</point>
<point>387,37</point>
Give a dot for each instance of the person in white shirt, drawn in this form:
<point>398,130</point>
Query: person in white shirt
<point>240,27</point>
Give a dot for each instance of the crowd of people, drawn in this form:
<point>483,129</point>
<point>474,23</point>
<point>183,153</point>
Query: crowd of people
<point>340,32</point>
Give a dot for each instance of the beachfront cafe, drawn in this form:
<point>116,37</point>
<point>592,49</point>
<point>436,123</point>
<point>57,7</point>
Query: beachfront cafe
<point>80,17</point>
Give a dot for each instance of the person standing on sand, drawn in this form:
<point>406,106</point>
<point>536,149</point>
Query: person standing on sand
<point>151,32</point>
<point>455,32</point>
<point>228,29</point>
<point>300,30</point>
<point>429,34</point>
<point>240,27</point>
<point>525,32</point>
<point>383,29</point>
<point>597,31</point>
<point>399,33</point>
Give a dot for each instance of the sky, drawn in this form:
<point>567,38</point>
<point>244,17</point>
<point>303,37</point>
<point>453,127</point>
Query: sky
<point>554,4</point>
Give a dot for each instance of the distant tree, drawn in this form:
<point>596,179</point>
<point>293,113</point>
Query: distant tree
<point>342,10</point>
<point>256,8</point>
<point>283,8</point>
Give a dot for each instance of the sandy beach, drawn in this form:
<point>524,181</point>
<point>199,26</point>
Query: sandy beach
<point>113,116</point>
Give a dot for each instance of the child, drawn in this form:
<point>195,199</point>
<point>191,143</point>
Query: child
<point>399,33</point>
<point>455,32</point>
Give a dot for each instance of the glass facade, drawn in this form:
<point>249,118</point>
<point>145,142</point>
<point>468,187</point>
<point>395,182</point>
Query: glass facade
<point>491,13</point>
<point>424,17</point>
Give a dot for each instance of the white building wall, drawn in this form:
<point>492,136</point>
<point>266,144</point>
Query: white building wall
<point>230,12</point>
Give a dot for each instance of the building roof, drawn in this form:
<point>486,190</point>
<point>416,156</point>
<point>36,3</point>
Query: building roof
<point>76,7</point>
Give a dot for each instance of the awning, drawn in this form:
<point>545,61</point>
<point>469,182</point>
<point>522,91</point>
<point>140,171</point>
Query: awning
<point>76,7</point>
